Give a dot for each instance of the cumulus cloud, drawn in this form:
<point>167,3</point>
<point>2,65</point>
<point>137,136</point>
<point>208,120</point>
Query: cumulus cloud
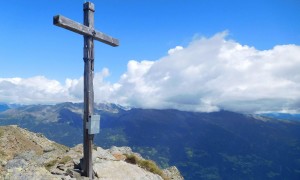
<point>31,90</point>
<point>41,90</point>
<point>207,75</point>
<point>215,73</point>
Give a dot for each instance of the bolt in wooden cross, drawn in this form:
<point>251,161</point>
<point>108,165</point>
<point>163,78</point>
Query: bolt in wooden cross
<point>89,33</point>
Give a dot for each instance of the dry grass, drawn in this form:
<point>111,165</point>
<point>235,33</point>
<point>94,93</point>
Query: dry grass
<point>65,159</point>
<point>13,141</point>
<point>50,164</point>
<point>1,132</point>
<point>61,147</point>
<point>2,154</point>
<point>145,164</point>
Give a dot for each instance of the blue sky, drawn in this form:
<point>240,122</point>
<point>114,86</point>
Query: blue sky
<point>32,46</point>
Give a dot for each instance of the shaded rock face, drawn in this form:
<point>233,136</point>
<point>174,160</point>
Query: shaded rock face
<point>26,155</point>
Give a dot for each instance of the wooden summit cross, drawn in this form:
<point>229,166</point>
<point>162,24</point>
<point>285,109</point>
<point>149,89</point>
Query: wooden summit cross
<point>89,34</point>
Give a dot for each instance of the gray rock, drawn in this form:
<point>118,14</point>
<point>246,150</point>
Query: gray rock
<point>73,174</point>
<point>16,163</point>
<point>120,170</point>
<point>68,178</point>
<point>31,173</point>
<point>123,150</point>
<point>28,155</point>
<point>61,167</point>
<point>102,154</point>
<point>48,149</point>
<point>76,163</point>
<point>57,171</point>
<point>172,173</point>
<point>3,162</point>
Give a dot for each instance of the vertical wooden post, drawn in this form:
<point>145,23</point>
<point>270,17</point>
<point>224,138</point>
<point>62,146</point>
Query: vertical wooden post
<point>88,88</point>
<point>89,34</point>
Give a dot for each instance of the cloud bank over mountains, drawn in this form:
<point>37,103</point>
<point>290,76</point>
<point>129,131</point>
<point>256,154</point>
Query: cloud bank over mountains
<point>209,74</point>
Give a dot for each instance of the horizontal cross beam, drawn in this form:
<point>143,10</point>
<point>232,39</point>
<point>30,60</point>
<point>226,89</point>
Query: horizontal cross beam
<point>71,25</point>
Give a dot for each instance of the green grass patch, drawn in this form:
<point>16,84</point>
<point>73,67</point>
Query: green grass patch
<point>50,164</point>
<point>1,132</point>
<point>65,159</point>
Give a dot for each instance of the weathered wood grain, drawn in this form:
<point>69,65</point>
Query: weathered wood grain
<point>76,27</point>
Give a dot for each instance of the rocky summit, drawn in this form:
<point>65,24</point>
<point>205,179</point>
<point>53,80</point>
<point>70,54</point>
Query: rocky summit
<point>27,155</point>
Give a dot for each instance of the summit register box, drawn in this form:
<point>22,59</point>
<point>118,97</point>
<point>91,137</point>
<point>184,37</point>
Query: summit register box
<point>93,125</point>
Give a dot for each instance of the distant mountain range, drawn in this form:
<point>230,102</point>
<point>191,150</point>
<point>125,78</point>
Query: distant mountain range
<point>210,146</point>
<point>282,116</point>
<point>3,107</point>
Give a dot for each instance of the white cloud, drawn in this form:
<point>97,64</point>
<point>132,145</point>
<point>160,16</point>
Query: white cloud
<point>215,73</point>
<point>41,90</point>
<point>207,75</point>
<point>32,90</point>
<point>173,50</point>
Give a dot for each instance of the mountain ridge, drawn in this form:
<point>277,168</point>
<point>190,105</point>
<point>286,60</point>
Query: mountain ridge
<point>217,145</point>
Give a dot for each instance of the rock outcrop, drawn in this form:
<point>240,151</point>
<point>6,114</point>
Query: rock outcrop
<point>26,155</point>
